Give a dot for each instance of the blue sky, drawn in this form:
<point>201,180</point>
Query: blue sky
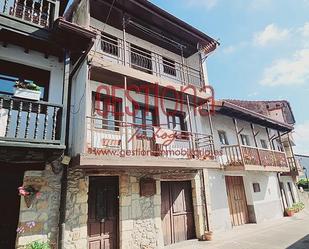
<point>264,52</point>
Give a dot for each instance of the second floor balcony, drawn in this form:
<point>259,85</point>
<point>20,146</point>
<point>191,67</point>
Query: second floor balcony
<point>150,62</point>
<point>108,142</point>
<point>240,157</point>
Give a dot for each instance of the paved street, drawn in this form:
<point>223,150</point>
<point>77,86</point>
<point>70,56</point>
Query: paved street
<point>289,233</point>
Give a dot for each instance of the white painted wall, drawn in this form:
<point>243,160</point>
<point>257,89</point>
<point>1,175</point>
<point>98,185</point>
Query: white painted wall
<point>220,213</point>
<point>289,194</point>
<point>267,199</point>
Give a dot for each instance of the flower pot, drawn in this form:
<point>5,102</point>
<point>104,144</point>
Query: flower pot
<point>27,94</point>
<point>208,236</point>
<point>289,213</point>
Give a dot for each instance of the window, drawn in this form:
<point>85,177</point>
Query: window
<point>144,119</point>
<point>109,44</point>
<point>256,188</point>
<point>223,138</point>
<point>264,144</point>
<point>11,72</point>
<point>106,110</point>
<point>169,66</point>
<point>245,140</point>
<point>176,121</point>
<point>141,59</point>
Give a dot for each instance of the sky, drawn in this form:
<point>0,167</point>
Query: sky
<point>264,52</point>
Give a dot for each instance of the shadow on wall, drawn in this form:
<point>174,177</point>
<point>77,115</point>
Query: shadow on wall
<point>300,244</point>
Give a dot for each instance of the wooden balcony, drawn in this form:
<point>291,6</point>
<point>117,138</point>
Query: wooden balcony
<point>148,65</point>
<point>119,144</point>
<point>238,157</point>
<point>296,168</point>
<point>33,124</point>
<point>38,13</point>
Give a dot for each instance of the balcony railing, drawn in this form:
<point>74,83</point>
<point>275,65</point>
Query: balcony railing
<point>236,155</point>
<point>117,138</point>
<point>25,121</point>
<point>147,61</point>
<point>32,11</point>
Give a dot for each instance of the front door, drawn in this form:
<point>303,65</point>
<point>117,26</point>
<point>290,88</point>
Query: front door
<point>177,212</point>
<point>10,179</point>
<point>103,213</point>
<point>237,200</point>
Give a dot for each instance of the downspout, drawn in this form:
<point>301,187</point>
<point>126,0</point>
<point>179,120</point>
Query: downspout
<point>280,189</point>
<point>206,224</point>
<point>64,179</point>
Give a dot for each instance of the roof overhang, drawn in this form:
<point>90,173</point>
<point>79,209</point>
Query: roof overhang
<point>234,111</point>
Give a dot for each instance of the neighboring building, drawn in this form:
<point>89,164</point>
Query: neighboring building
<point>304,162</point>
<point>35,47</point>
<point>259,166</point>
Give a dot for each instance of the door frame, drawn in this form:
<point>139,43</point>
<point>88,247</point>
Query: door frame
<point>117,181</point>
<point>191,201</point>
<point>230,201</point>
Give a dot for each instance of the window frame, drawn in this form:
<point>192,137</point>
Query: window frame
<point>264,144</point>
<point>245,141</point>
<point>169,66</point>
<point>109,102</point>
<point>221,132</point>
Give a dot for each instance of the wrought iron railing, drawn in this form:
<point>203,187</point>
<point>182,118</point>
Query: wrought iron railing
<point>147,61</point>
<point>109,137</point>
<point>30,121</point>
<point>239,155</point>
<point>35,12</point>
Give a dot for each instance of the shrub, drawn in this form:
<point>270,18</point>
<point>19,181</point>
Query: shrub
<point>38,245</point>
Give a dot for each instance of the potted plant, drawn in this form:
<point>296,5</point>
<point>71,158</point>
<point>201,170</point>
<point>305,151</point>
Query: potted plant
<point>27,90</point>
<point>29,193</point>
<point>208,235</point>
<point>289,212</point>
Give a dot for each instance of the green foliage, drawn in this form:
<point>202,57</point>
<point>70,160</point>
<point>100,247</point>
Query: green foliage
<point>298,206</point>
<point>25,85</point>
<point>38,245</point>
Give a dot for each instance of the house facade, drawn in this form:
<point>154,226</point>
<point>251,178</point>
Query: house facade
<point>259,167</point>
<point>36,58</point>
<point>126,146</point>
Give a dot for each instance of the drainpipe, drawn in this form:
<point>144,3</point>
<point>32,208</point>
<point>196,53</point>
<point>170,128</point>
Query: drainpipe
<point>64,179</point>
<point>206,224</point>
<point>281,194</point>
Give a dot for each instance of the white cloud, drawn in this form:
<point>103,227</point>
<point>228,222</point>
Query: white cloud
<point>229,49</point>
<point>305,30</point>
<point>209,4</point>
<point>301,136</point>
<point>290,71</point>
<point>270,34</point>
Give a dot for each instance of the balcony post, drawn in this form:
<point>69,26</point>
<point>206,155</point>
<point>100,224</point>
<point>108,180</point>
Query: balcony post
<point>124,23</point>
<point>292,152</point>
<point>125,112</point>
<point>66,76</point>
<point>255,142</point>
<point>211,129</point>
<point>5,6</point>
<point>269,139</point>
<point>238,140</point>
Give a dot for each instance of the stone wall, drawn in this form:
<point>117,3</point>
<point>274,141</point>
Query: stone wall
<point>76,210</point>
<point>44,211</point>
<point>139,217</point>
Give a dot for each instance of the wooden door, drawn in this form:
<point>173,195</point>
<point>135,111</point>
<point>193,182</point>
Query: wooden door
<point>103,213</point>
<point>237,200</point>
<point>177,212</point>
<point>10,179</point>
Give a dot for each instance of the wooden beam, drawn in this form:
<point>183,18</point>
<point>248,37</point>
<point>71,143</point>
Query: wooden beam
<point>238,140</point>
<point>255,142</point>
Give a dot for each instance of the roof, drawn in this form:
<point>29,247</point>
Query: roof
<point>227,108</point>
<point>264,106</point>
<point>153,18</point>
